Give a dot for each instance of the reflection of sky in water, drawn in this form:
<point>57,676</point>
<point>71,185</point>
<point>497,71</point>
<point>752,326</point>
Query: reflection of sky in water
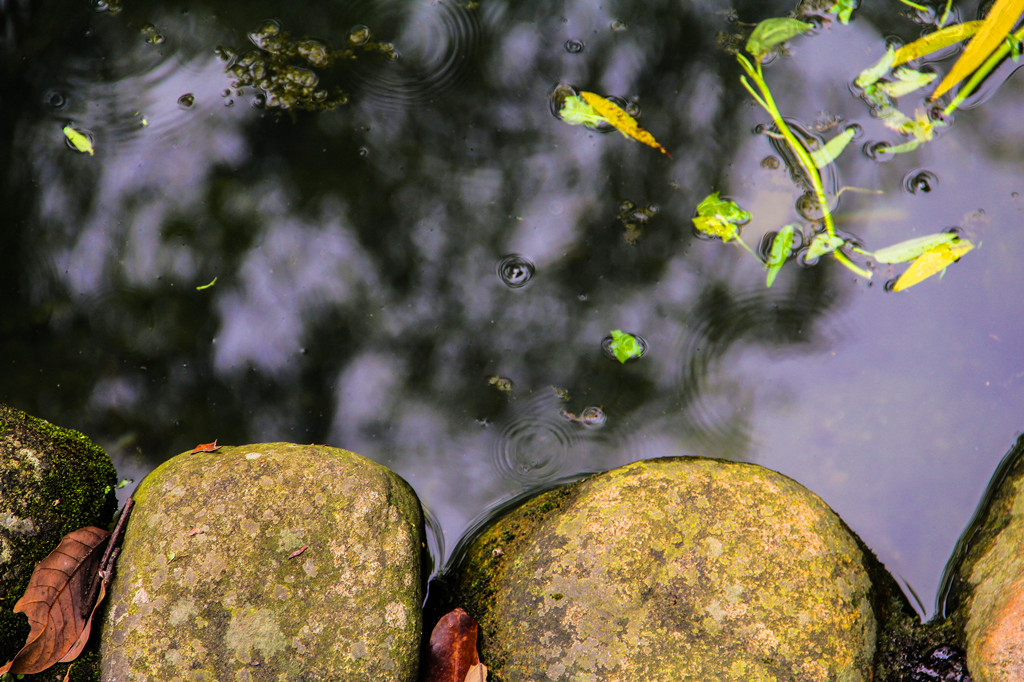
<point>357,252</point>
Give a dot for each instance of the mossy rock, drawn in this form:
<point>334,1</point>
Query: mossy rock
<point>675,569</point>
<point>53,480</point>
<point>985,595</point>
<point>208,586</point>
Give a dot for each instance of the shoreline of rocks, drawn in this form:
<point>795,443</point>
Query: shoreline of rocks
<point>292,562</point>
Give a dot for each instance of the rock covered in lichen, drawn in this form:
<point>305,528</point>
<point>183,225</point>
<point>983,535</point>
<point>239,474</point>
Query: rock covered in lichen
<point>985,599</point>
<point>52,481</point>
<point>211,585</point>
<point>673,569</point>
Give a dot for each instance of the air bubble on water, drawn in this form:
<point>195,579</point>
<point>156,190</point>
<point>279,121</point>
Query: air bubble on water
<point>920,182</point>
<point>187,100</point>
<point>515,271</point>
<point>574,46</point>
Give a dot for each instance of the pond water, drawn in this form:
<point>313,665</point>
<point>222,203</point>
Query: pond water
<point>425,273</point>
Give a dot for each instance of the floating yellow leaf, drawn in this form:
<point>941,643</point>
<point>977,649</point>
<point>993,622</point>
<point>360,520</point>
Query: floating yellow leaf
<point>932,262</point>
<point>78,140</point>
<point>999,22</point>
<point>935,41</point>
<point>622,121</point>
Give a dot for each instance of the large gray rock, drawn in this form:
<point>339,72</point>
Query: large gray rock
<point>206,589</point>
<point>674,569</point>
<point>986,596</point>
<point>52,481</point>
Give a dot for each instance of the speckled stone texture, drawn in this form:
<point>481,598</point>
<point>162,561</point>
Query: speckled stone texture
<point>205,588</point>
<point>987,596</point>
<point>672,569</point>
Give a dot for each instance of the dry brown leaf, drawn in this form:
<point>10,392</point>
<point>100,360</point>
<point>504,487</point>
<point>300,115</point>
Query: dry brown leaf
<point>478,673</point>
<point>205,447</point>
<point>56,602</point>
<point>452,653</point>
<point>299,551</point>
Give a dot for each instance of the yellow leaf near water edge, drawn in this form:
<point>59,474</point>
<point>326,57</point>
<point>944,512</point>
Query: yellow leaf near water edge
<point>622,121</point>
<point>932,262</point>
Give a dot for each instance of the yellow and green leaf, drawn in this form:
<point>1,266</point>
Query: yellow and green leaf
<point>912,248</point>
<point>996,26</point>
<point>932,262</point>
<point>781,245</point>
<point>935,41</point>
<point>622,121</point>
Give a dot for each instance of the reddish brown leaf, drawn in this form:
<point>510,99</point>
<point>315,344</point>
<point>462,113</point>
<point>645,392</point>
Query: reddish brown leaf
<point>205,447</point>
<point>452,648</point>
<point>56,602</point>
<point>299,551</point>
<point>195,531</point>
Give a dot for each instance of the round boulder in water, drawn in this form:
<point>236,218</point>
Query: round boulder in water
<point>268,562</point>
<point>674,569</point>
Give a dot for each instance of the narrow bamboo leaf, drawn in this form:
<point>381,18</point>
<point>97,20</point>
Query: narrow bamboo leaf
<point>935,41</point>
<point>78,140</point>
<point>932,262</point>
<point>907,81</point>
<point>781,245</point>
<point>772,32</point>
<point>622,121</point>
<point>833,148</point>
<point>912,248</point>
<point>575,111</point>
<point>999,22</point>
<point>870,75</point>
<point>822,244</point>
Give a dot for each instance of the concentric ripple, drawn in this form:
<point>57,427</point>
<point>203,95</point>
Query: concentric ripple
<point>435,43</point>
<point>532,445</point>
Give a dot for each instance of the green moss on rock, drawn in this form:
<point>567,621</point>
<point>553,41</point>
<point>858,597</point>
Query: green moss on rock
<point>208,587</point>
<point>678,568</point>
<point>53,480</point>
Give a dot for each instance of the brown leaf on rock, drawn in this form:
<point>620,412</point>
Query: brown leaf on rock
<point>205,447</point>
<point>452,648</point>
<point>478,673</point>
<point>57,602</point>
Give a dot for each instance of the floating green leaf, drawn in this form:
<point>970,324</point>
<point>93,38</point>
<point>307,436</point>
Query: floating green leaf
<point>844,10</point>
<point>208,285</point>
<point>870,75</point>
<point>625,346</point>
<point>822,244</point>
<point>772,32</point>
<point>575,111</point>
<point>781,245</point>
<point>912,248</point>
<point>78,140</point>
<point>720,217</point>
<point>907,81</point>
<point>932,262</point>
<point>833,148</point>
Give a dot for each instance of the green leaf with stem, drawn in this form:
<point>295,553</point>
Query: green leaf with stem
<point>767,102</point>
<point>772,32</point>
<point>822,244</point>
<point>721,218</point>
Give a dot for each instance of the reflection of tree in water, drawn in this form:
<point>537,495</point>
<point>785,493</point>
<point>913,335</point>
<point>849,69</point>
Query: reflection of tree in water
<point>357,300</point>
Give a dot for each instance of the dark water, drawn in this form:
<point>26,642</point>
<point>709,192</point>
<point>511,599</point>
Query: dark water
<point>425,274</point>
